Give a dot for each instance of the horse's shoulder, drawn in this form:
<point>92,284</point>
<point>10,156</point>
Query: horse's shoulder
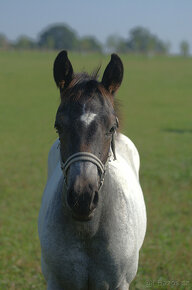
<point>127,149</point>
<point>53,158</point>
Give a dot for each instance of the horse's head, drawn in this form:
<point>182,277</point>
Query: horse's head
<point>85,122</point>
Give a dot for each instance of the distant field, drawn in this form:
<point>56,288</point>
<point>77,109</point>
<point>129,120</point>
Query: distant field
<point>156,98</point>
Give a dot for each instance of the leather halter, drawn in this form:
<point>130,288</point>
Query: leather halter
<point>85,156</point>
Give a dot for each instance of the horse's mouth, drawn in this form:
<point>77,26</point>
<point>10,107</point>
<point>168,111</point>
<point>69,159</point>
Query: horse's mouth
<point>83,218</point>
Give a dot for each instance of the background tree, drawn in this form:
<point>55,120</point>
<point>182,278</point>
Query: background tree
<point>138,40</point>
<point>184,48</point>
<point>89,44</point>
<point>4,43</point>
<point>58,37</point>
<point>142,41</point>
<point>24,42</point>
<point>115,43</point>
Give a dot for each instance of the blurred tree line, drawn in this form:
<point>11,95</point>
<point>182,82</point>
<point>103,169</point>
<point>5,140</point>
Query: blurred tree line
<point>140,40</point>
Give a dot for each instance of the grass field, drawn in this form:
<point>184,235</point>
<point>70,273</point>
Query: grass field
<point>156,97</point>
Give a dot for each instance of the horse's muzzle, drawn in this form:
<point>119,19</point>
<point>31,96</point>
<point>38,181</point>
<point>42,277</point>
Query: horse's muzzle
<point>82,190</point>
<point>82,203</point>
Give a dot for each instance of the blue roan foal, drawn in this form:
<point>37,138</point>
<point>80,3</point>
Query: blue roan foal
<point>92,220</point>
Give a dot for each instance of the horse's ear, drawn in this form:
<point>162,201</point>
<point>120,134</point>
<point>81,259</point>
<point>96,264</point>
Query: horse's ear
<point>113,74</point>
<point>62,70</point>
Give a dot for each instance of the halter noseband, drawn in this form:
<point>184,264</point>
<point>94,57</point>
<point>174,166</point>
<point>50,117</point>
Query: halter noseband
<point>84,156</point>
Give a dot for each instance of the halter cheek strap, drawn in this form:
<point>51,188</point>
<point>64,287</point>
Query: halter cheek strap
<point>113,140</point>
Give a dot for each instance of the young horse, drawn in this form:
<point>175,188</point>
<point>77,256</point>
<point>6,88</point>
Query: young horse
<point>92,220</point>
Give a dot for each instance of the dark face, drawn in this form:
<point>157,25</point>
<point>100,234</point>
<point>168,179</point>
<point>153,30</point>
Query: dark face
<point>85,125</point>
<point>85,122</point>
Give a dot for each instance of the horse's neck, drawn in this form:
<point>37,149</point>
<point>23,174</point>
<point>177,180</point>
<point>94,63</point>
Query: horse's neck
<point>106,218</point>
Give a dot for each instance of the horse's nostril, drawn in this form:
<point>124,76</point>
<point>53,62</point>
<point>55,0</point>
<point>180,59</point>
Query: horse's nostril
<point>94,200</point>
<point>82,203</point>
<point>71,199</point>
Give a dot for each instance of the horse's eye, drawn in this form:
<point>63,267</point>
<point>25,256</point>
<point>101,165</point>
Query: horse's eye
<point>112,130</point>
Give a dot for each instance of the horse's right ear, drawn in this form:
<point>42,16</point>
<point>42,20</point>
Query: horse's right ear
<point>62,70</point>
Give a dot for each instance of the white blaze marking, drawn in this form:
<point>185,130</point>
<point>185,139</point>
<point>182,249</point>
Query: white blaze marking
<point>87,118</point>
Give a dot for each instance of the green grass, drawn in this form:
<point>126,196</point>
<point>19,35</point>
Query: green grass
<point>156,103</point>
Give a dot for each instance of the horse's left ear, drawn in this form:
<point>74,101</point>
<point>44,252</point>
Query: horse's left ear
<point>62,70</point>
<point>113,74</point>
